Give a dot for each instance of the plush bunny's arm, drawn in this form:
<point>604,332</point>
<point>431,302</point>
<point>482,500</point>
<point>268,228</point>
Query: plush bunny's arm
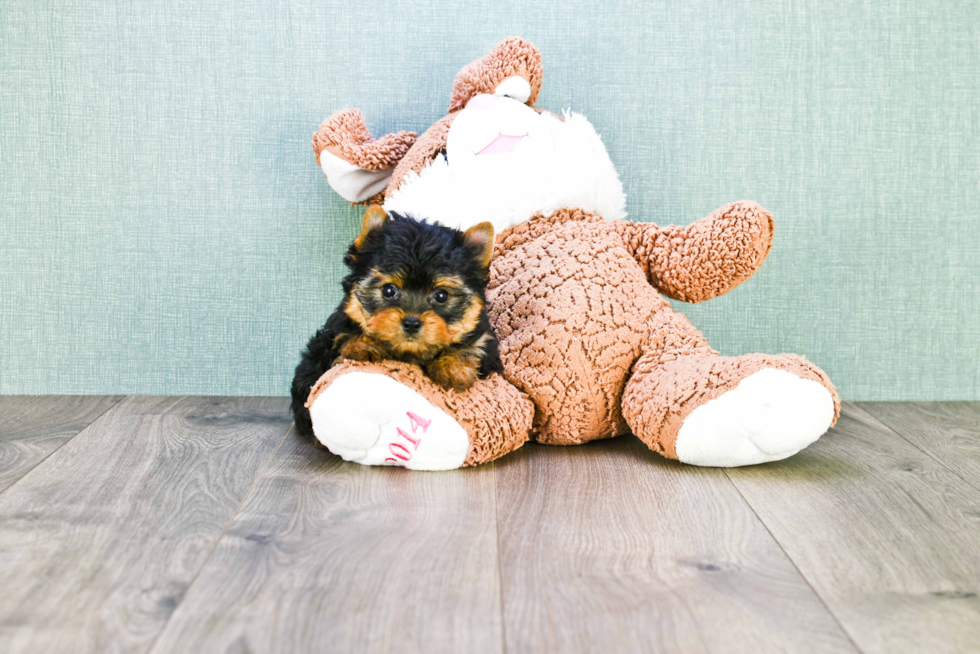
<point>707,258</point>
<point>356,165</point>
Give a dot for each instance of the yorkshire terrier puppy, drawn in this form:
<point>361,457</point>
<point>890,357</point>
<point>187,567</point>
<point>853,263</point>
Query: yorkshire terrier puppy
<point>415,293</point>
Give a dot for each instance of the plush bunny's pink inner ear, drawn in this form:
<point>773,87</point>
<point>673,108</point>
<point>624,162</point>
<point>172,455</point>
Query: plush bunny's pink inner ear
<point>514,87</point>
<point>357,165</point>
<point>352,183</point>
<point>511,58</point>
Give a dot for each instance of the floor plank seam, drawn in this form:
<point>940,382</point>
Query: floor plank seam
<point>969,482</point>
<point>67,440</point>
<point>816,594</point>
<point>221,536</point>
<point>500,572</point>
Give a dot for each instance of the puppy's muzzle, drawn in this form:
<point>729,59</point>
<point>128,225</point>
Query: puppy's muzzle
<point>411,324</point>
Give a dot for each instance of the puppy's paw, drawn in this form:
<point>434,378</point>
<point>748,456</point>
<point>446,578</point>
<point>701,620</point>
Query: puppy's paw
<point>360,348</point>
<point>453,371</point>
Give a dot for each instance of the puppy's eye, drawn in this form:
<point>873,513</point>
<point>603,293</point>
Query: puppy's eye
<point>440,296</point>
<point>389,291</point>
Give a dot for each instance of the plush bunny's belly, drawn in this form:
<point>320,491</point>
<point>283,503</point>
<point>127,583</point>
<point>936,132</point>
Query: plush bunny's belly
<point>571,309</point>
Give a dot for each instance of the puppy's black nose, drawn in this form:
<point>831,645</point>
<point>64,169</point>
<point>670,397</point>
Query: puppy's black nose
<point>411,324</point>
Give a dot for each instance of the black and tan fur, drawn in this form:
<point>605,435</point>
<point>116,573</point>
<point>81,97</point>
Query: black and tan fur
<point>415,293</point>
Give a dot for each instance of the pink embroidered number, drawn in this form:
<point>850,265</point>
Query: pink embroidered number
<point>418,422</point>
<point>400,454</point>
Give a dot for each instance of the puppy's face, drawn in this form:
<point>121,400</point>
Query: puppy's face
<point>417,317</point>
<point>415,287</point>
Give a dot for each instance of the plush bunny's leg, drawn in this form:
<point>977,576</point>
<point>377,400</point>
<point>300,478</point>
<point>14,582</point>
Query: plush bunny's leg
<point>391,414</point>
<point>688,403</point>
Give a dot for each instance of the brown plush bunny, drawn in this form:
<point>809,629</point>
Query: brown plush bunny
<point>591,348</point>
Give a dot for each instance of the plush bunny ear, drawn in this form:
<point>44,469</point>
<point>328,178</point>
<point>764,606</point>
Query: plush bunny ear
<point>356,165</point>
<point>512,68</point>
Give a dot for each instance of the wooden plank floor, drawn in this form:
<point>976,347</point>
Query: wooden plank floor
<point>31,428</point>
<point>206,525</point>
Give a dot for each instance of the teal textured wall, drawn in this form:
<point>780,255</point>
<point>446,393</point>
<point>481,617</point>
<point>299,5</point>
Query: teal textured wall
<point>165,229</point>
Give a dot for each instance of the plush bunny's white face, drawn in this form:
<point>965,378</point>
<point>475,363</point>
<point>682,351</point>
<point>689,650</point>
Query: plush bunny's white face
<point>506,163</point>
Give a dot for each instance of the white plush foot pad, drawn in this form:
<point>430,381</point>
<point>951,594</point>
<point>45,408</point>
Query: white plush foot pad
<point>771,415</point>
<point>374,420</point>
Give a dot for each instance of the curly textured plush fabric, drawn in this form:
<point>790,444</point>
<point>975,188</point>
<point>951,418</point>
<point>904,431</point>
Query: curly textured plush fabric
<point>495,415</point>
<point>345,134</point>
<point>430,144</point>
<point>718,252</point>
<point>570,306</point>
<point>512,56</point>
<point>580,326</point>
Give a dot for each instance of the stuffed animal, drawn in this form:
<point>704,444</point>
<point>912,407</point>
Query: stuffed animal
<point>591,348</point>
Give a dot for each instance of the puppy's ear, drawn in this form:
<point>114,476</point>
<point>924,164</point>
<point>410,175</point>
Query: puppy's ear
<point>374,218</point>
<point>479,238</point>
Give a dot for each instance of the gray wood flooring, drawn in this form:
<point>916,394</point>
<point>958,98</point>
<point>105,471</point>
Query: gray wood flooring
<point>161,525</point>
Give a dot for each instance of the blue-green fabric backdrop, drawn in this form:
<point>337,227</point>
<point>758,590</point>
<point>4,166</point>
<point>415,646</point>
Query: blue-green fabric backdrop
<point>165,229</point>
